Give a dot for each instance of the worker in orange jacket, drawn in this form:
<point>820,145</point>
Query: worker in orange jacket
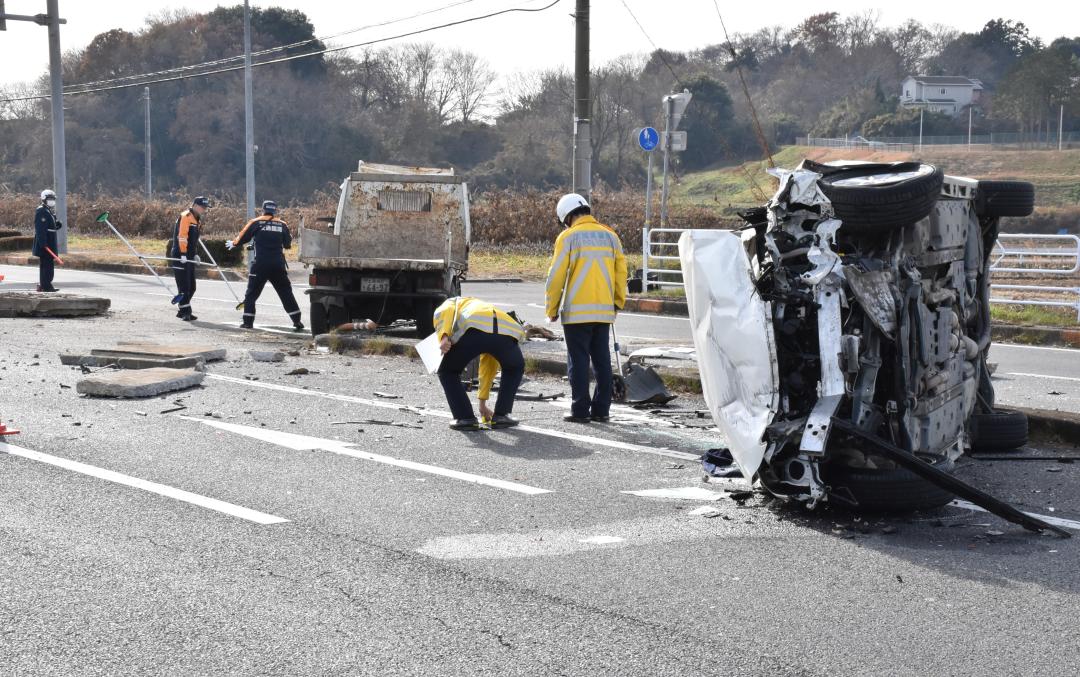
<point>184,252</point>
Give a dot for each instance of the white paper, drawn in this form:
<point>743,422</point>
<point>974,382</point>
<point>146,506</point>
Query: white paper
<point>430,353</point>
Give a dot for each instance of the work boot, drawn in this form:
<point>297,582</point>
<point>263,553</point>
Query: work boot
<point>570,418</point>
<point>503,421</point>
<point>188,318</point>
<point>247,325</point>
<point>298,326</point>
<point>466,424</point>
<point>600,419</point>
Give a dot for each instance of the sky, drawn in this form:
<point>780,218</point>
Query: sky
<point>518,42</point>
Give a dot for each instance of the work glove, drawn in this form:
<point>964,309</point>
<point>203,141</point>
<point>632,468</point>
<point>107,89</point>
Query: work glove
<point>59,225</point>
<point>229,245</point>
<point>183,258</point>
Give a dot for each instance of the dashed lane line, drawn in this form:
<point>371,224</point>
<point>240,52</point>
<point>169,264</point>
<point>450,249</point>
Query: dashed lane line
<point>306,443</point>
<point>146,485</point>
<point>575,437</point>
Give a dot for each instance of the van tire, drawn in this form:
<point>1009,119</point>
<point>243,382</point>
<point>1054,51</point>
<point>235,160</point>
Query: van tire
<point>879,209</point>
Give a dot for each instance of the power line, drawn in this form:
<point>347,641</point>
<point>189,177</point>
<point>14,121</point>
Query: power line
<point>269,50</point>
<point>328,50</point>
<point>656,50</point>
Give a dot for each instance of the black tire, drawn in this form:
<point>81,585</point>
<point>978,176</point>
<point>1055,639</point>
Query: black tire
<point>1004,198</point>
<point>425,322</point>
<point>1002,430</point>
<point>871,209</point>
<point>896,490</point>
<point>317,317</point>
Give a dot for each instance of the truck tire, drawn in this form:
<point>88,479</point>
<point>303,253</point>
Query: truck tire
<point>1004,198</point>
<point>895,490</point>
<point>867,202</point>
<point>317,317</point>
<point>1000,430</point>
<point>425,322</point>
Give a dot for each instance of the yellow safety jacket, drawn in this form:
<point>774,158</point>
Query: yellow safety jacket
<point>460,314</point>
<point>587,278</point>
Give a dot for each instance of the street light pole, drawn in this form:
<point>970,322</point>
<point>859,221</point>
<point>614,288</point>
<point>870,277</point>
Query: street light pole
<point>582,161</point>
<point>249,114</point>
<point>146,143</point>
<point>56,82</point>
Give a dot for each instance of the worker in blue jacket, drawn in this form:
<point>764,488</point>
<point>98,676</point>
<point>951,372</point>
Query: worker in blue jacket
<point>46,226</point>
<point>271,238</point>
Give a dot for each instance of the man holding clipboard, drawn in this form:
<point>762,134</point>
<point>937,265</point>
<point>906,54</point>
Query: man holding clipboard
<point>467,328</point>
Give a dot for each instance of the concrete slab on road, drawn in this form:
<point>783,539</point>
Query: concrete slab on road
<point>52,304</point>
<point>139,383</point>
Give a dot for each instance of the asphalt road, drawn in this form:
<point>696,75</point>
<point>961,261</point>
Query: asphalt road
<point>318,537</point>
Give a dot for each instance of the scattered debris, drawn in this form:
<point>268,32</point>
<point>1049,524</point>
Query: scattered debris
<point>266,355</point>
<point>386,396</point>
<point>705,511</point>
<point>534,332</point>
<point>299,371</point>
<point>720,463</point>
<point>890,529</point>
<point>674,466</point>
<point>141,383</point>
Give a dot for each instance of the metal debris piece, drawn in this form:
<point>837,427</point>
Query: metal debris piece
<point>386,396</point>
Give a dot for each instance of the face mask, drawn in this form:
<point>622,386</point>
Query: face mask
<point>50,203</point>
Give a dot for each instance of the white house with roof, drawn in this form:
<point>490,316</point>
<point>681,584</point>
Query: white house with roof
<point>948,94</point>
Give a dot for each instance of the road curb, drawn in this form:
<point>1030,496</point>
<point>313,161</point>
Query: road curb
<point>1038,336</point>
<point>1057,425</point>
<point>656,307</point>
<point>110,267</point>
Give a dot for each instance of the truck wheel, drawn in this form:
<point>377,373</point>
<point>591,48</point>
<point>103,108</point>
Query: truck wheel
<point>870,201</point>
<point>893,490</point>
<point>1001,430</point>
<point>425,322</point>
<point>318,318</point>
<point>1004,198</point>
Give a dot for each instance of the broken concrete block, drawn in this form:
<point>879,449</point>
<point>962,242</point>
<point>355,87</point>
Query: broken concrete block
<point>196,363</point>
<point>139,383</point>
<point>35,304</point>
<point>162,351</point>
<point>266,355</point>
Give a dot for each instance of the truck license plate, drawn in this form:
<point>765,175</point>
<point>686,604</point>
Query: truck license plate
<point>376,285</point>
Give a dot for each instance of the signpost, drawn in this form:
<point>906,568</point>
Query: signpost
<point>648,139</point>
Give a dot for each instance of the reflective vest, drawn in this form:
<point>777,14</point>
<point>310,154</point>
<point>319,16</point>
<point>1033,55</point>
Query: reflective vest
<point>587,278</point>
<point>460,314</point>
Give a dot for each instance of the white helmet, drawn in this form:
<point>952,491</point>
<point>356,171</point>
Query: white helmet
<point>47,194</point>
<point>567,204</point>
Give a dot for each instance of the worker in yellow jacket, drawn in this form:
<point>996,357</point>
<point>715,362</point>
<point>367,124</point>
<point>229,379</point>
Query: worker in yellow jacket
<point>469,328</point>
<point>586,285</point>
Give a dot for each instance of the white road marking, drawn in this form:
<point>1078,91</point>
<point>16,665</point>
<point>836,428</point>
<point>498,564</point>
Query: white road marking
<point>199,297</point>
<point>601,540</point>
<point>1049,519</point>
<point>1020,346</point>
<point>587,439</point>
<point>145,485</point>
<point>682,493</point>
<point>652,316</point>
<point>1056,378</point>
<point>305,443</point>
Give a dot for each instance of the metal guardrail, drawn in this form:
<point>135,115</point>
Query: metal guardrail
<point>1010,255</point>
<point>659,251</point>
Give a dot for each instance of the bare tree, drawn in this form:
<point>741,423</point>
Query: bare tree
<point>471,79</point>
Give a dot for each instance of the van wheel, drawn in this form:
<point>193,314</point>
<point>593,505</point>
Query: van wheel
<point>1000,430</point>
<point>873,200</point>
<point>892,490</point>
<point>1004,198</point>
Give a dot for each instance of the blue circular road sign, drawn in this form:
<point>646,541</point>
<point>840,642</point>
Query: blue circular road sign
<point>648,138</point>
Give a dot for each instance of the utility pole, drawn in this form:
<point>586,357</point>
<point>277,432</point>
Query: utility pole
<point>970,116</point>
<point>1061,125</point>
<point>52,20</point>
<point>582,170</point>
<point>249,114</point>
<point>146,143</point>
<point>921,111</point>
